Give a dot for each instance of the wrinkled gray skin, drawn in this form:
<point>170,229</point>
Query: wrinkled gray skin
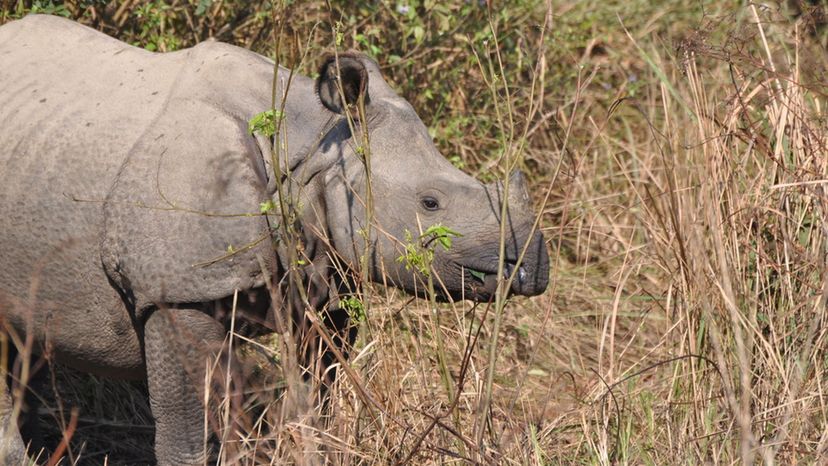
<point>110,156</point>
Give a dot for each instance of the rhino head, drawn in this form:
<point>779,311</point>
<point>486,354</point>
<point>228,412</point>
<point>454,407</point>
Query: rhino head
<point>415,187</point>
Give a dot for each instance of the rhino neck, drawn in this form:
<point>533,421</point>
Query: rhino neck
<point>311,144</point>
<point>301,132</point>
<point>313,155</point>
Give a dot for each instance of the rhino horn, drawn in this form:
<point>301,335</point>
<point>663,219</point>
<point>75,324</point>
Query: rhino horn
<point>518,194</point>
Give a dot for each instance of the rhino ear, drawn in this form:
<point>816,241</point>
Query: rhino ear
<point>349,70</point>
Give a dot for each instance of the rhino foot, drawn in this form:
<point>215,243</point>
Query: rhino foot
<point>12,449</point>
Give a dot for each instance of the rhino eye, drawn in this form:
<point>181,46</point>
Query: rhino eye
<point>429,203</point>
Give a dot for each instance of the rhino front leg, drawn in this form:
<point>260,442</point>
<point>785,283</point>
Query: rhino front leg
<point>179,344</point>
<point>12,449</point>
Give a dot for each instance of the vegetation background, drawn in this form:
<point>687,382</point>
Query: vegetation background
<point>677,153</point>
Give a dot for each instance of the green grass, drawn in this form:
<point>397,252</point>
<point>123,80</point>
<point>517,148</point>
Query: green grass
<point>686,221</point>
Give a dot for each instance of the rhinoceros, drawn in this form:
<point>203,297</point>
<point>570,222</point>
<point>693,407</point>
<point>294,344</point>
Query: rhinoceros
<point>130,195</point>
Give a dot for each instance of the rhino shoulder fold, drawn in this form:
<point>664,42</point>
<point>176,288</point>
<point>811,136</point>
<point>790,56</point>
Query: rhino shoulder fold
<point>183,209</point>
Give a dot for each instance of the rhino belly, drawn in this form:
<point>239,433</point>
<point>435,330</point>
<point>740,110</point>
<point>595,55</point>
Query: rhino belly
<point>57,293</point>
<point>52,284</point>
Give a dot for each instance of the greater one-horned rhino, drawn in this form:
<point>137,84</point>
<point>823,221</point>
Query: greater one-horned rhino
<point>130,191</point>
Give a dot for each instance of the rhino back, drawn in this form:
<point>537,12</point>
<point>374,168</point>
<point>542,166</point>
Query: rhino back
<point>66,92</point>
<point>181,220</point>
<point>73,101</point>
<point>117,165</point>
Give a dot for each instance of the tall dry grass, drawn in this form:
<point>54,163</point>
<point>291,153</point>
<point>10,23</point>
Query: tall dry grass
<point>685,319</point>
<point>710,222</point>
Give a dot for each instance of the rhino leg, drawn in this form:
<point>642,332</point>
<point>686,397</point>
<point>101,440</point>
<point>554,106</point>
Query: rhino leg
<point>12,449</point>
<point>179,344</point>
<point>343,334</point>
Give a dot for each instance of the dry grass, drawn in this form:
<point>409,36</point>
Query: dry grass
<point>686,154</point>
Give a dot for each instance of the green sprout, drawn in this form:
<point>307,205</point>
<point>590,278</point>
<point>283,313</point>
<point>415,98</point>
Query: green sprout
<point>265,122</point>
<point>420,254</point>
<point>441,234</point>
<point>477,274</point>
<point>354,307</point>
<point>267,207</point>
<point>415,257</point>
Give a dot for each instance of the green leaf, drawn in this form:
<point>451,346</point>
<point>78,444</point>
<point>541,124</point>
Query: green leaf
<point>415,256</point>
<point>478,274</point>
<point>445,241</point>
<point>202,7</point>
<point>265,122</point>
<point>354,307</point>
<point>267,207</point>
<point>419,33</point>
<point>442,234</point>
<point>457,161</point>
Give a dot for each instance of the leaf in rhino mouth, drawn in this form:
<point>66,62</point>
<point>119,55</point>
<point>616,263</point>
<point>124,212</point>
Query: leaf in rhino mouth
<point>478,275</point>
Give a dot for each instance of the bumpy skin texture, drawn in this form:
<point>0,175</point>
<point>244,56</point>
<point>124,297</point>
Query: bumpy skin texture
<point>121,172</point>
<point>12,450</point>
<point>174,339</point>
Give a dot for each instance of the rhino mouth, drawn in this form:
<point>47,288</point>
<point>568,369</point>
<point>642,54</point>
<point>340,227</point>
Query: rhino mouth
<point>483,281</point>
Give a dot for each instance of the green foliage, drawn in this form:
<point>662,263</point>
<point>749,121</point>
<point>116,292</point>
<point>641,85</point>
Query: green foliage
<point>265,122</point>
<point>415,257</point>
<point>442,234</point>
<point>154,36</point>
<point>49,8</point>
<point>477,274</point>
<point>202,7</point>
<point>457,161</point>
<point>368,45</point>
<point>419,254</point>
<point>267,207</point>
<point>354,307</point>
<point>43,7</point>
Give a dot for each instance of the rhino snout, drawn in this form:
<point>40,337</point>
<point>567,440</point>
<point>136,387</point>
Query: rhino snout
<point>520,278</point>
<point>527,280</point>
<point>530,277</point>
<point>533,274</point>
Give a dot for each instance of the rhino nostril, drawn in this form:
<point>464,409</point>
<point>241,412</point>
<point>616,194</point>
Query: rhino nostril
<point>509,270</point>
<point>518,276</point>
